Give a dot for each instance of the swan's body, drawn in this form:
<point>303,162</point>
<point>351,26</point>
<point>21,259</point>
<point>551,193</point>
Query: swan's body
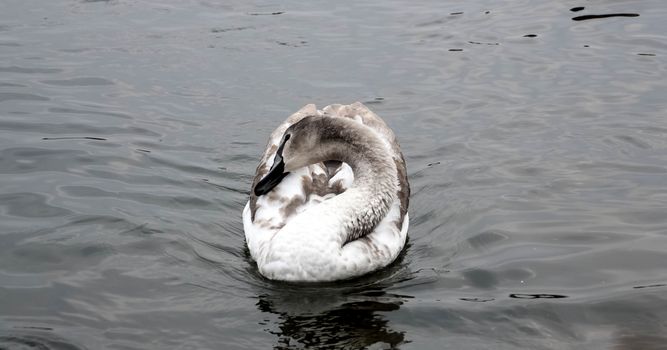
<point>330,197</point>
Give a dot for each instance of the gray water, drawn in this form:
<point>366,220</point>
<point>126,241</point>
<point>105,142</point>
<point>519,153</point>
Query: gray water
<point>536,143</point>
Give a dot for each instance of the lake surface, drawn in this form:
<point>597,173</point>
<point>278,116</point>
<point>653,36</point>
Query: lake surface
<point>535,134</point>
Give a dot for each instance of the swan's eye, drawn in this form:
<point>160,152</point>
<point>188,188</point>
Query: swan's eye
<point>287,137</point>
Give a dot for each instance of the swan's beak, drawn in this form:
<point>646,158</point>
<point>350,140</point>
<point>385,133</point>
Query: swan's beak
<point>273,178</point>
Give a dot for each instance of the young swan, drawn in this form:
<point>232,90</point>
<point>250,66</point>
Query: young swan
<point>330,197</point>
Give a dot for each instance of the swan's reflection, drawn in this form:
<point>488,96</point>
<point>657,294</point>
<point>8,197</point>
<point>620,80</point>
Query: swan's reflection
<point>342,315</point>
<point>330,318</point>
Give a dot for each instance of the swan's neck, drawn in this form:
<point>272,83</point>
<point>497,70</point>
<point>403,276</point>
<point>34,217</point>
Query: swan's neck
<point>367,202</point>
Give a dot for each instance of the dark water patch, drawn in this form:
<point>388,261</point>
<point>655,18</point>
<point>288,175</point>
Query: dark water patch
<point>143,229</point>
<point>266,13</point>
<point>177,201</point>
<point>646,216</point>
<point>481,278</point>
<point>181,122</point>
<point>88,112</point>
<point>455,13</point>
<point>105,221</point>
<point>633,141</point>
<point>657,285</point>
<point>236,158</point>
<point>243,143</point>
<point>433,23</point>
<point>84,81</point>
<point>592,237</point>
<point>227,188</point>
<point>73,226</point>
<point>481,43</point>
<point>26,70</point>
<point>192,169</point>
<point>75,138</point>
<point>537,296</point>
<point>649,129</point>
<point>17,341</point>
<point>635,43</point>
<point>576,9</point>
<point>11,85</point>
<point>16,96</point>
<point>76,50</point>
<point>520,170</point>
<point>634,168</point>
<point>455,50</point>
<point>232,29</point>
<point>74,128</point>
<point>35,327</point>
<point>25,160</point>
<point>30,205</point>
<point>477,299</point>
<point>646,54</point>
<point>587,17</point>
<point>486,239</point>
<point>292,44</point>
<point>92,250</point>
<point>376,100</point>
<point>136,179</point>
<point>530,36</point>
<point>518,274</point>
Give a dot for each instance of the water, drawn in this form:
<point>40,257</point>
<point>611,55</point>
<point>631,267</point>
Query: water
<point>536,148</point>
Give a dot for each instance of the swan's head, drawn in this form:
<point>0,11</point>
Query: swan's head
<point>300,146</point>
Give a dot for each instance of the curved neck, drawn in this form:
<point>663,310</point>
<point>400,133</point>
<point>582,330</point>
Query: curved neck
<point>375,185</point>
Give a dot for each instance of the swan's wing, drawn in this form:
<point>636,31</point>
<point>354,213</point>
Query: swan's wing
<point>380,247</point>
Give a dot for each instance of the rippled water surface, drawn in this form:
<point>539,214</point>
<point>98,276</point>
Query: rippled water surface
<point>535,134</point>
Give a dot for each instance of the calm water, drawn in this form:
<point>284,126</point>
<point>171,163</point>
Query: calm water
<point>536,148</point>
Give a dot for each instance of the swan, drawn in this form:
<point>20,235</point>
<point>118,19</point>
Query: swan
<point>329,198</point>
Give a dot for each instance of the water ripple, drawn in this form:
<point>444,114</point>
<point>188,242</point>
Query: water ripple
<point>535,146</point>
<point>15,340</point>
